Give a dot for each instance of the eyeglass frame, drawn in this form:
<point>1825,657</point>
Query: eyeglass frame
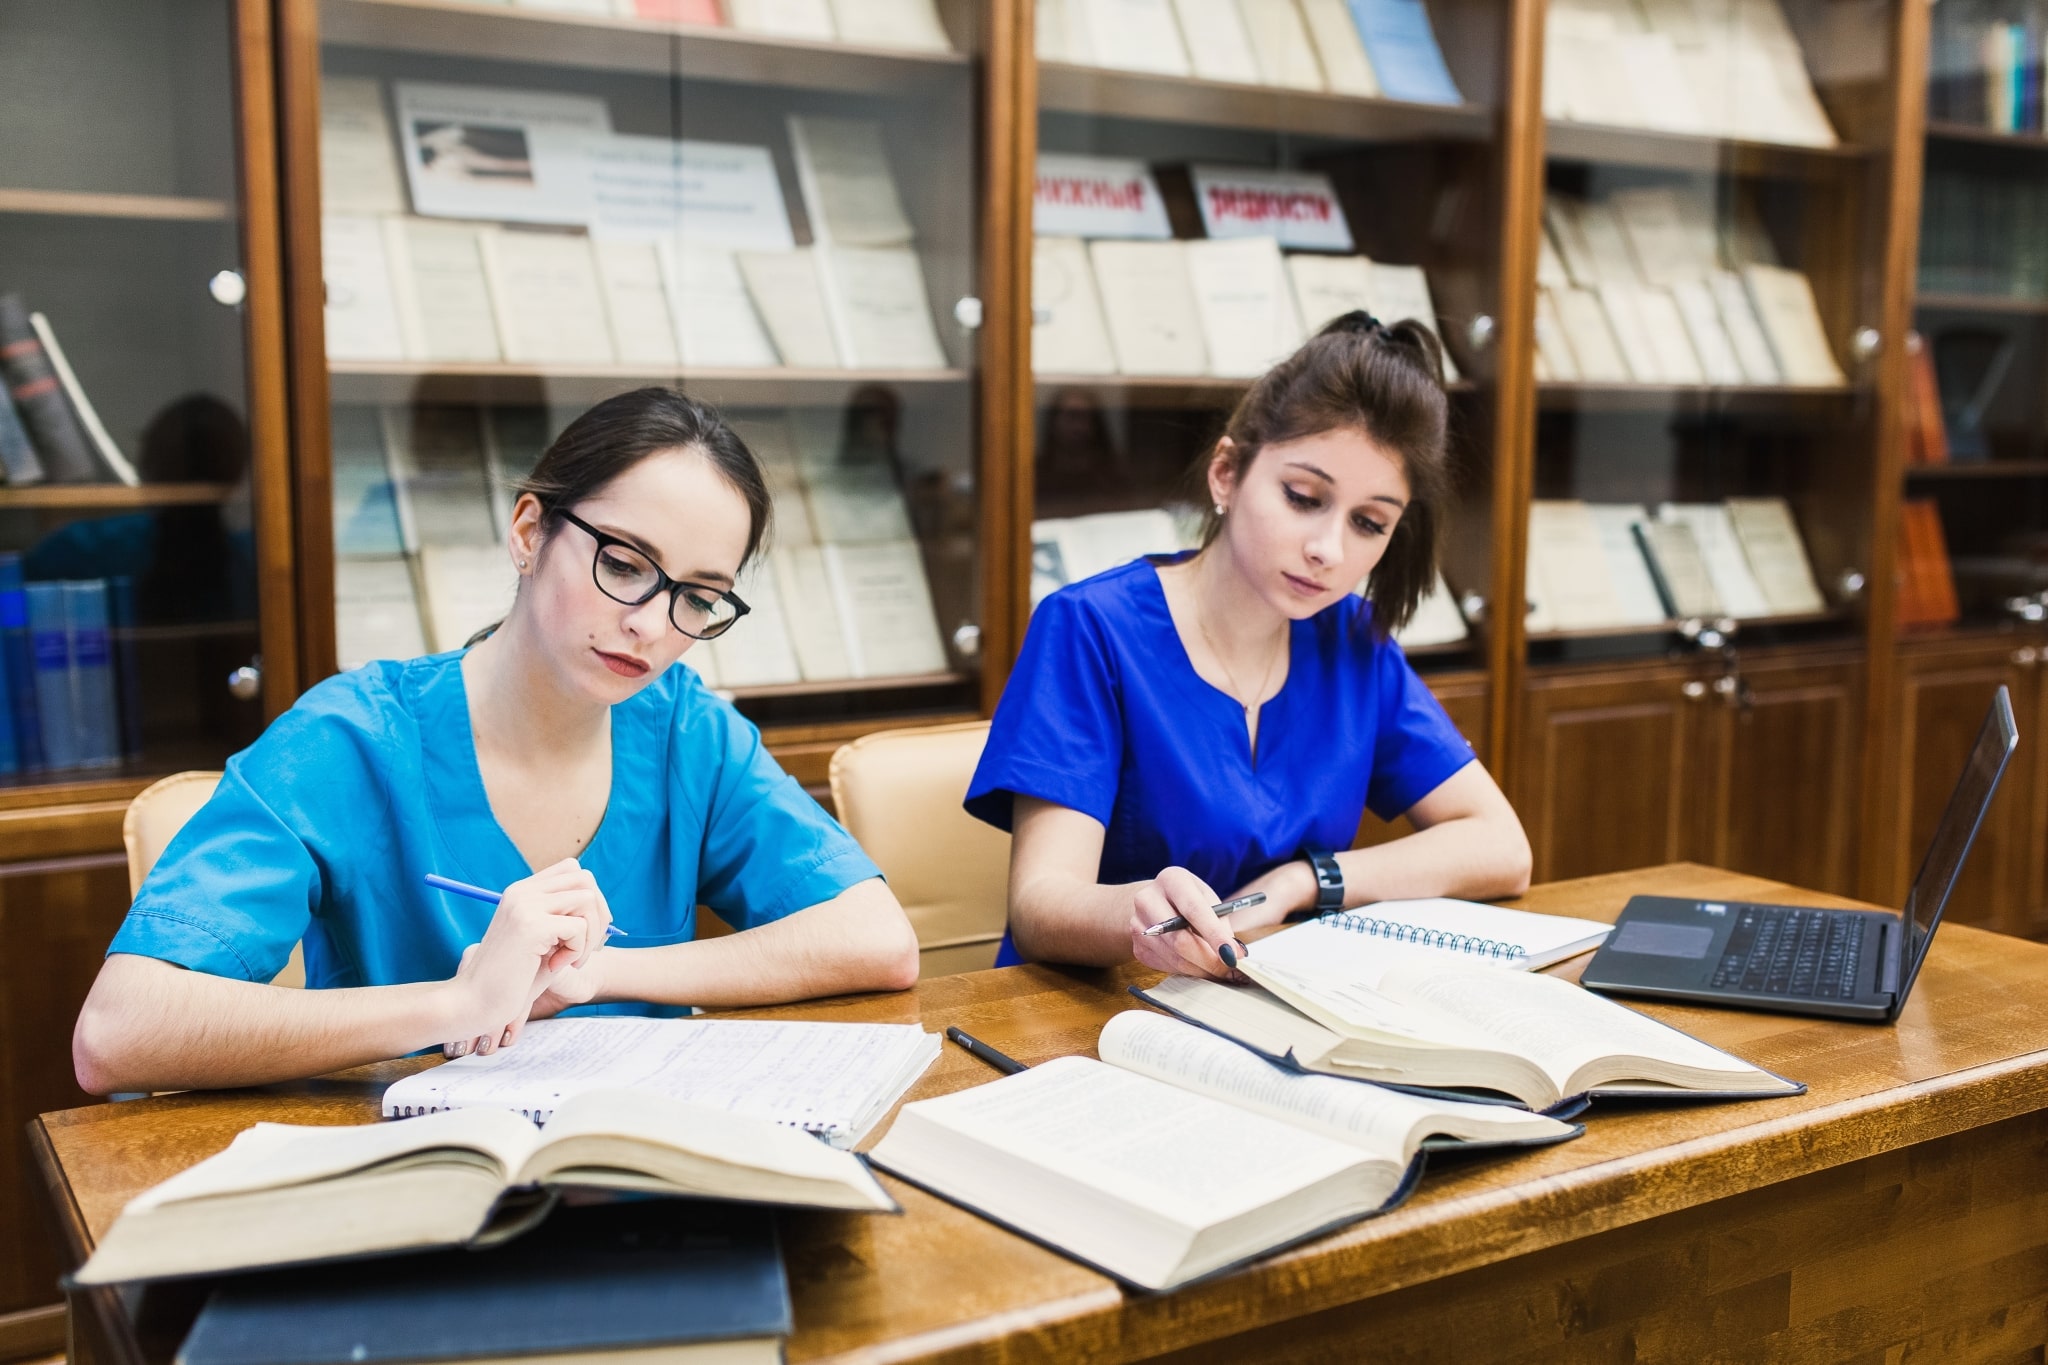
<point>663,583</point>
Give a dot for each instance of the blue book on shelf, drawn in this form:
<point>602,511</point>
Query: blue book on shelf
<point>127,662</point>
<point>50,633</point>
<point>630,1278</point>
<point>19,653</point>
<point>92,667</point>
<point>1404,52</point>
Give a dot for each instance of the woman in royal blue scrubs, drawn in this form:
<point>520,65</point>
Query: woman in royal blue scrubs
<point>566,759</point>
<point>1189,728</point>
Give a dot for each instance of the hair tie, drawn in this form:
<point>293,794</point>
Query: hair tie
<point>1358,322</point>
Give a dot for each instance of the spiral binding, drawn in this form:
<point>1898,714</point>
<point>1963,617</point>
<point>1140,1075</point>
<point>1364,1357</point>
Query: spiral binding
<point>1428,938</point>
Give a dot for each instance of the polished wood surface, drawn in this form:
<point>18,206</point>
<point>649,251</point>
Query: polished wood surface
<point>1694,1215</point>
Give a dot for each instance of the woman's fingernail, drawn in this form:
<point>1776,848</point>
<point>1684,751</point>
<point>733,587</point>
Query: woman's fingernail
<point>1228,954</point>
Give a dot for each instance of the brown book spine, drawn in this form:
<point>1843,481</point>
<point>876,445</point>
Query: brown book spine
<point>1929,433</point>
<point>39,396</point>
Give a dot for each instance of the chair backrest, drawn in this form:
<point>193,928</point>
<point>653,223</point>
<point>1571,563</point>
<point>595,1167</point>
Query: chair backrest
<point>898,794</point>
<point>154,818</point>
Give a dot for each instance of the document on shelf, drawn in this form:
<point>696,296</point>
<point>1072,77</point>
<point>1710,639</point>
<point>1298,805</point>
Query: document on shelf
<point>710,194</point>
<point>881,315</point>
<point>636,303</point>
<point>1741,595</point>
<point>1247,310</point>
<point>1347,70</point>
<point>507,155</point>
<point>1280,43</point>
<point>545,292</point>
<point>1219,49</point>
<point>716,325</point>
<point>1628,573</point>
<point>885,608</point>
<point>444,299</point>
<point>358,155</point>
<point>756,652</point>
<point>1153,322</point>
<point>849,192</point>
<point>1777,556</point>
<point>1129,35</point>
<point>361,311</point>
<point>912,25</point>
<point>1068,332</point>
<point>810,19</point>
<point>376,611</point>
<point>791,301</point>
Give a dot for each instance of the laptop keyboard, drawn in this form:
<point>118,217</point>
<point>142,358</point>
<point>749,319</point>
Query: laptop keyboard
<point>1780,950</point>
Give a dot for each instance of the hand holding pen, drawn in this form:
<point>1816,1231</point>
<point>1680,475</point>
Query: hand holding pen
<point>1177,926</point>
<point>545,929</point>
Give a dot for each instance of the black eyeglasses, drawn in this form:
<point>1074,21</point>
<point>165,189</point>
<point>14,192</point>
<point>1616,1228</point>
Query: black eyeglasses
<point>624,573</point>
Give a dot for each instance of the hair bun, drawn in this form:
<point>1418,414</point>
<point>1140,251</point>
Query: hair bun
<point>1357,322</point>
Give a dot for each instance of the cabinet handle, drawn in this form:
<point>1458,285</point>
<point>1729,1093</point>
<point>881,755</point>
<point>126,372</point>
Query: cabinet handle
<point>967,640</point>
<point>1866,342</point>
<point>245,683</point>
<point>1694,690</point>
<point>1480,332</point>
<point>228,288</point>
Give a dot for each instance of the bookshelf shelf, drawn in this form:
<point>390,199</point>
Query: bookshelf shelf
<point>1670,628</point>
<point>835,686</point>
<point>696,52</point>
<point>88,204</point>
<point>1650,147</point>
<point>1108,93</point>
<point>410,382</point>
<point>1981,469</point>
<point>1941,131</point>
<point>1572,394</point>
<point>1165,391</point>
<point>101,496</point>
<point>1980,303</point>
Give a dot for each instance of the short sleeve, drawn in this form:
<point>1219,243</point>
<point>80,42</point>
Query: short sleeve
<point>1415,747</point>
<point>238,885</point>
<point>1058,732</point>
<point>769,850</point>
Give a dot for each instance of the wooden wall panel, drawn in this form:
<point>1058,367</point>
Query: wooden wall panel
<point>56,919</point>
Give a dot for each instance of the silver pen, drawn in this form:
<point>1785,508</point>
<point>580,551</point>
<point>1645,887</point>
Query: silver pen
<point>1167,926</point>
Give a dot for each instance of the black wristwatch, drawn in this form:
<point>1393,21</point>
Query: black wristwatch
<point>1329,879</point>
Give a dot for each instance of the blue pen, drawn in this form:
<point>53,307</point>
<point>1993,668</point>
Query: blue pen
<point>477,893</point>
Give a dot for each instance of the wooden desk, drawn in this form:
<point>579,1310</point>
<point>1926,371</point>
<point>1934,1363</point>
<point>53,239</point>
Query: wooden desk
<point>1899,1210</point>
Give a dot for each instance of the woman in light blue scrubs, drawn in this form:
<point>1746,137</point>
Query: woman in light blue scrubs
<point>566,759</point>
<point>1194,727</point>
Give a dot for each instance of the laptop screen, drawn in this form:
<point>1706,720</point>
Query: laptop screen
<point>1958,827</point>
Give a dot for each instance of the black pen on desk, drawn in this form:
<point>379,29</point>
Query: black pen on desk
<point>1002,1062</point>
<point>1167,926</point>
<point>489,897</point>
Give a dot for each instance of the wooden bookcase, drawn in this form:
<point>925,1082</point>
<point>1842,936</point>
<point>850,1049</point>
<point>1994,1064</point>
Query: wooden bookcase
<point>1819,752</point>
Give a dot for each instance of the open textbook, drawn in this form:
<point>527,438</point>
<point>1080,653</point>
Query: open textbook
<point>1453,1025</point>
<point>834,1081</point>
<point>284,1193</point>
<point>1180,1154</point>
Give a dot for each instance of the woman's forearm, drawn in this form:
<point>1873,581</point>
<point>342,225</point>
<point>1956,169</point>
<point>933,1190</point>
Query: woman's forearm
<point>860,940</point>
<point>1056,918</point>
<point>149,1025</point>
<point>1481,857</point>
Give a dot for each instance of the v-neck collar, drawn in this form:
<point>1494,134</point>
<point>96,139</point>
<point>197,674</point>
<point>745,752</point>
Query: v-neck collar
<point>484,853</point>
<point>1222,702</point>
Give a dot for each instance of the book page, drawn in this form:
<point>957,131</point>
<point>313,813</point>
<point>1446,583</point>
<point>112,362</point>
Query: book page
<point>358,155</point>
<point>1619,302</point>
<point>1130,35</point>
<point>1281,44</point>
<point>1734,584</point>
<point>271,1156</point>
<point>545,291</point>
<point>815,629</point>
<point>1657,83</point>
<point>1151,307</point>
<point>714,318</point>
<point>1346,68</point>
<point>1386,1123</point>
<point>1669,339</point>
<point>880,312</point>
<point>1328,287</point>
<point>909,24</point>
<point>1068,333</point>
<point>1246,307</point>
<point>1570,564</point>
<point>784,18</point>
<point>1218,47</point>
<point>1777,557</point>
<point>444,301</point>
<point>1635,591</point>
<point>1605,243</point>
<point>1362,942</point>
<point>1654,224</point>
<point>806,1075</point>
<point>636,303</point>
<point>1752,348</point>
<point>885,608</point>
<point>1680,571</point>
<point>1718,361</point>
<point>786,292</point>
<point>849,192</point>
<point>361,310</point>
<point>1591,337</point>
<point>1558,1025</point>
<point>1791,319</point>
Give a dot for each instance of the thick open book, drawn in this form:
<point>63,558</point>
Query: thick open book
<point>284,1193</point>
<point>834,1081</point>
<point>1448,1025</point>
<point>1180,1154</point>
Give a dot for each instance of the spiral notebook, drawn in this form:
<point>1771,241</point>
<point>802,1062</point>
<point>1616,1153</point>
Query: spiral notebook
<point>1362,943</point>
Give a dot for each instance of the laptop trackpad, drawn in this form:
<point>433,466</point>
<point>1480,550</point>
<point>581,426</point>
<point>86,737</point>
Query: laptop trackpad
<point>1660,938</point>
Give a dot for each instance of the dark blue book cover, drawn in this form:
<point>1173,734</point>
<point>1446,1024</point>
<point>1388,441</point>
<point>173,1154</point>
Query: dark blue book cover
<point>127,662</point>
<point>596,1277</point>
<point>56,687</point>
<point>21,665</point>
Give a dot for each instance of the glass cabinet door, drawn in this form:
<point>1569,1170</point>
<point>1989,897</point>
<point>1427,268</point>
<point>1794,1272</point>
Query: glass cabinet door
<point>1214,184</point>
<point>128,544</point>
<point>771,206</point>
<point>1709,295</point>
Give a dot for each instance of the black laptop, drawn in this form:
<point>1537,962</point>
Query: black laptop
<point>1854,964</point>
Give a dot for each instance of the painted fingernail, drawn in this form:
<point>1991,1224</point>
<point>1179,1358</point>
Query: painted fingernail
<point>1228,954</point>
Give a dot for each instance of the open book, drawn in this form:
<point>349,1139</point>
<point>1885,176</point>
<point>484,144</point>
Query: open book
<point>283,1193</point>
<point>835,1081</point>
<point>1180,1154</point>
<point>1449,1025</point>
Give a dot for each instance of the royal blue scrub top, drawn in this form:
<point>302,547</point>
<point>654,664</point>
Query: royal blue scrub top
<point>1105,714</point>
<point>325,828</point>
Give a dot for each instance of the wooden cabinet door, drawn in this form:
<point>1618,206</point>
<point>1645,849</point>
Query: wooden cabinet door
<point>1777,776</point>
<point>1606,769</point>
<point>1939,707</point>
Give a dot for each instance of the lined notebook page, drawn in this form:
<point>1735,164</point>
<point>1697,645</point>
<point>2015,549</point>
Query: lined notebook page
<point>1361,943</point>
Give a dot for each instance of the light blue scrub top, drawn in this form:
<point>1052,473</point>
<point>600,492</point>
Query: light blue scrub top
<point>325,828</point>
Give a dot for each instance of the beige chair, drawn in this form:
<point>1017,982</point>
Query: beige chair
<point>898,793</point>
<point>155,816</point>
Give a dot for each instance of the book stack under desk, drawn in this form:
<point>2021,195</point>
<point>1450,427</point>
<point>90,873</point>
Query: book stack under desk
<point>475,29</point>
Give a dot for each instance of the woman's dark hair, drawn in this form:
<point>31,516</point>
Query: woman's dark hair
<point>625,429</point>
<point>1386,380</point>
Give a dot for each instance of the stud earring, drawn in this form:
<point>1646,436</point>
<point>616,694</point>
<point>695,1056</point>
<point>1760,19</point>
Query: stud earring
<point>522,566</point>
<point>1219,509</point>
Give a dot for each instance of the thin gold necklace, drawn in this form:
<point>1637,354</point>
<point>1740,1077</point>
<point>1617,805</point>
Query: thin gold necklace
<point>1237,694</point>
